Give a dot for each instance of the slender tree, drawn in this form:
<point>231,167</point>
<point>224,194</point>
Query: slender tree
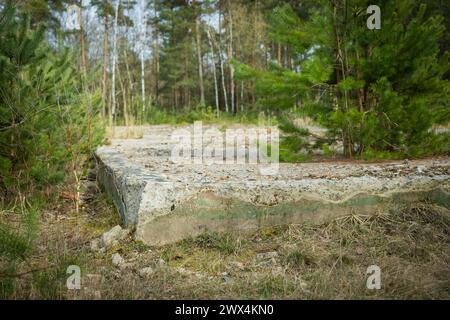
<point>83,57</point>
<point>143,36</point>
<point>230,57</point>
<point>222,68</point>
<point>213,56</point>
<point>198,42</point>
<point>113,66</point>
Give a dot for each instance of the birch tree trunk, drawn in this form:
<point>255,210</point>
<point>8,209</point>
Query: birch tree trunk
<point>199,55</point>
<point>230,17</point>
<point>105,63</point>
<point>127,68</point>
<point>156,51</point>
<point>216,87</point>
<point>143,35</point>
<point>113,85</point>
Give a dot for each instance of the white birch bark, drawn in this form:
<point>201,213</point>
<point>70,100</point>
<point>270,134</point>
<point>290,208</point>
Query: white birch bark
<point>114,58</point>
<point>143,35</point>
<point>231,57</point>
<point>216,87</point>
<point>199,54</point>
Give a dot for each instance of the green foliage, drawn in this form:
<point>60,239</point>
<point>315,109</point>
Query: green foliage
<point>16,244</point>
<point>221,242</point>
<point>209,116</point>
<point>294,146</point>
<point>402,90</point>
<point>200,113</point>
<point>47,123</point>
<point>51,283</point>
<point>381,93</point>
<point>283,89</point>
<point>326,150</point>
<point>158,116</point>
<point>44,121</point>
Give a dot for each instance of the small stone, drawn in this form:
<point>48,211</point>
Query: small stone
<point>113,236</point>
<point>145,272</point>
<point>96,245</point>
<point>421,169</point>
<point>227,279</point>
<point>117,260</point>
<point>161,262</point>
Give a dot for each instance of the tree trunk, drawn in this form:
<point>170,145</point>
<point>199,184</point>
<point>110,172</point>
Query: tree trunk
<point>105,63</point>
<point>216,87</point>
<point>222,69</point>
<point>360,91</point>
<point>199,55</point>
<point>130,79</point>
<point>156,52</point>
<point>84,66</point>
<point>143,35</point>
<point>340,68</point>
<point>129,101</point>
<point>186,71</point>
<point>230,17</point>
<point>124,96</point>
<point>280,62</point>
<point>83,57</point>
<point>242,96</point>
<point>113,80</point>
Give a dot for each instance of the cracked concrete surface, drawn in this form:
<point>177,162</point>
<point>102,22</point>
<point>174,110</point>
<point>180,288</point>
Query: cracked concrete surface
<point>167,201</point>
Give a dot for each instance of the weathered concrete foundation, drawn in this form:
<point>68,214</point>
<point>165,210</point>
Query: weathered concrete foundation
<point>167,202</point>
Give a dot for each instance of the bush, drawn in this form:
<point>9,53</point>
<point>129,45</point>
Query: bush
<point>16,244</point>
<point>45,122</point>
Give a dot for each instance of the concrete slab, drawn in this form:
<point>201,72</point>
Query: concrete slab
<point>167,201</point>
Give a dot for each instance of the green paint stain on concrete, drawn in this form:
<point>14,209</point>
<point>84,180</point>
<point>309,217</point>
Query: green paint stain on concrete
<point>206,207</point>
<point>440,197</point>
<point>363,201</point>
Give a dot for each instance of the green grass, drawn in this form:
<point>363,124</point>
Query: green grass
<point>224,243</point>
